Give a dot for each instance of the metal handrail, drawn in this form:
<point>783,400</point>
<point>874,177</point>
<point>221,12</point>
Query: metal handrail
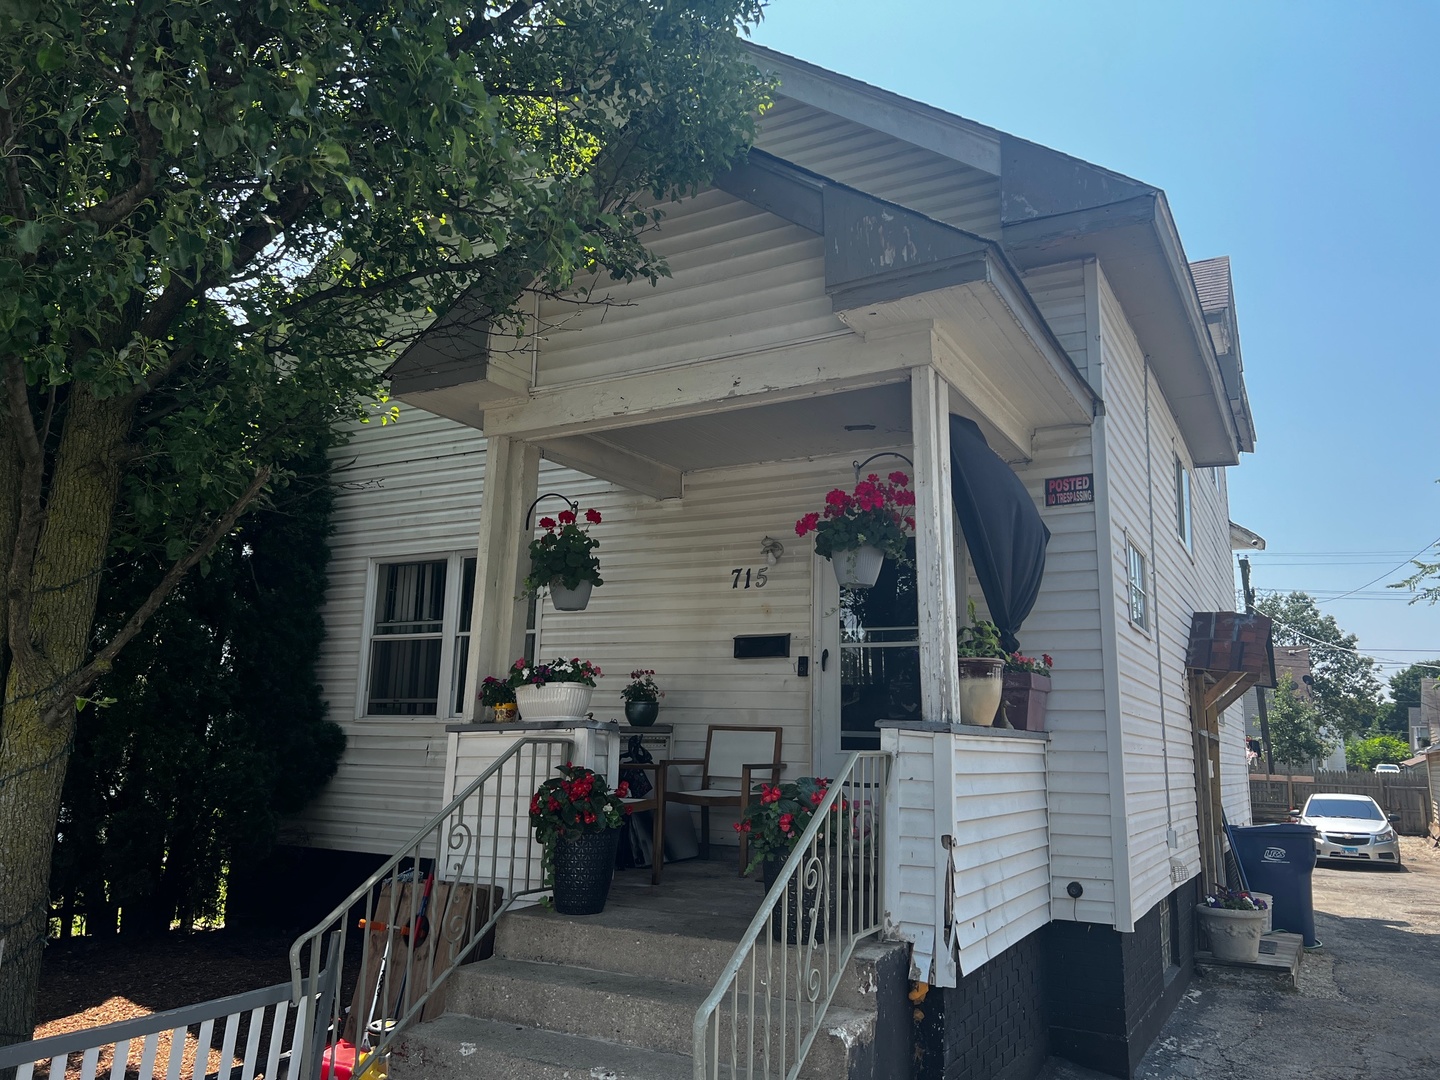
<point>248,1014</point>
<point>771,999</point>
<point>489,817</point>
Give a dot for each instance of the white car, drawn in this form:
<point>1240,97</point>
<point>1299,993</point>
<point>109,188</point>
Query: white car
<point>1387,768</point>
<point>1351,828</point>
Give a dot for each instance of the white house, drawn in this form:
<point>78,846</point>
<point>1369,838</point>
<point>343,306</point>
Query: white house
<point>878,268</point>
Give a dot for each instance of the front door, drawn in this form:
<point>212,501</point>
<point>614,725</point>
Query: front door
<point>867,665</point>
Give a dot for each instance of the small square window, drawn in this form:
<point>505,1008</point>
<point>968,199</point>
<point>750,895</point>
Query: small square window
<point>1139,591</point>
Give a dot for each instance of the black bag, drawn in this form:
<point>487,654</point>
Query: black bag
<point>638,779</point>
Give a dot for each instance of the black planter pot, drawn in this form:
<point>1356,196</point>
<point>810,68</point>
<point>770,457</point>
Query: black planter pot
<point>803,916</point>
<point>584,866</point>
<point>641,713</point>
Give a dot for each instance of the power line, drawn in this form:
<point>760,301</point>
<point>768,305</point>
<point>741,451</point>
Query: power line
<point>1378,661</point>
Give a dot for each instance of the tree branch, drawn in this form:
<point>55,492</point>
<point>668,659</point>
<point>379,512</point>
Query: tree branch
<point>80,681</point>
<point>479,27</point>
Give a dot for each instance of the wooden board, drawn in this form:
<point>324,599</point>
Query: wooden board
<point>453,920</point>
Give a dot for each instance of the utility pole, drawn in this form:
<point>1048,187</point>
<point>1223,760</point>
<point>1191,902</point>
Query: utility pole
<point>1261,706</point>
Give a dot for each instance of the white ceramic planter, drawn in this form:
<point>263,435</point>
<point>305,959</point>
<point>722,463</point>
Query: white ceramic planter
<point>1234,935</point>
<point>576,599</point>
<point>982,682</point>
<point>857,568</point>
<point>554,701</point>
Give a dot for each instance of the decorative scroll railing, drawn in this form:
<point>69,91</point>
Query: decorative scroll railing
<point>428,908</point>
<point>769,1005</point>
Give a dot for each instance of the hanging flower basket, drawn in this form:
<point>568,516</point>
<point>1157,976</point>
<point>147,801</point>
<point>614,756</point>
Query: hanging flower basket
<point>858,530</point>
<point>858,568</point>
<point>565,599</point>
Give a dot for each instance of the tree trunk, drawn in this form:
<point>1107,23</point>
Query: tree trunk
<point>34,753</point>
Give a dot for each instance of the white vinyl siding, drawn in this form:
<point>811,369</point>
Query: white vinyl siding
<point>882,165</point>
<point>742,280</point>
<point>1066,623</point>
<point>1158,764</point>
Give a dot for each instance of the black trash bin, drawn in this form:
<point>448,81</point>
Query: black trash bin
<point>1279,860</point>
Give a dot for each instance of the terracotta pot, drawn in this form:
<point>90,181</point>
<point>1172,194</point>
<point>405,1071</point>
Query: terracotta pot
<point>858,568</point>
<point>981,684</point>
<point>554,701</point>
<point>1024,699</point>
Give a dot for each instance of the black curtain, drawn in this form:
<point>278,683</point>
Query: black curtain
<point>1002,527</point>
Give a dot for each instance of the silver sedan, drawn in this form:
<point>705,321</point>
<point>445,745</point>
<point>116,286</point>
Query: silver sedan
<point>1351,828</point>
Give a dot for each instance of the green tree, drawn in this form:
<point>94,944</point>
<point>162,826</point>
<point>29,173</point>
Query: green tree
<point>1345,686</point>
<point>1296,732</point>
<point>219,219</point>
<point>1405,694</point>
<point>1365,754</point>
<point>217,726</point>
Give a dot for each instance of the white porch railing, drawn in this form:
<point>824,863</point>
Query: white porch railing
<point>769,1005</point>
<point>249,1016</point>
<point>478,843</point>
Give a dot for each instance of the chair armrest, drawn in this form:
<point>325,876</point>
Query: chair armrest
<point>685,761</point>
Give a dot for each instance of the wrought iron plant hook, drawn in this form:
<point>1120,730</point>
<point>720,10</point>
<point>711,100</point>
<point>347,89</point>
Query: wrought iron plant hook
<point>884,453</point>
<point>574,506</point>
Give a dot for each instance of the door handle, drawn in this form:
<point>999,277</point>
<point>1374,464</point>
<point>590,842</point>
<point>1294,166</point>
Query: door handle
<point>824,657</point>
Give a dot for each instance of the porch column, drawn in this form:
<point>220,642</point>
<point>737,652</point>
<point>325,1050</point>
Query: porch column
<point>497,618</point>
<point>935,547</point>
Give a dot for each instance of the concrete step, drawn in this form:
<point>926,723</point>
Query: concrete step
<point>465,1048</point>
<point>693,958</point>
<point>641,1011</point>
<point>456,1047</point>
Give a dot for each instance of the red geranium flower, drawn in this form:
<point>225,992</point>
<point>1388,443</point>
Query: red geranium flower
<point>592,516</point>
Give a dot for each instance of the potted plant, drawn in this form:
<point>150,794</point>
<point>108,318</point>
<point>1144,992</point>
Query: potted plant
<point>577,822</point>
<point>859,529</point>
<point>642,698</point>
<point>772,824</point>
<point>498,696</point>
<point>982,674</point>
<point>1027,686</point>
<point>563,560</point>
<point>1234,922</point>
<point>557,690</point>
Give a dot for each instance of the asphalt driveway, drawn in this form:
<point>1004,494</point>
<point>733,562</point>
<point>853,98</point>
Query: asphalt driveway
<point>1368,1007</point>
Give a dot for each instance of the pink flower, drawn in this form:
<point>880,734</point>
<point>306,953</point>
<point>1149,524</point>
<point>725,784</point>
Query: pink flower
<point>742,826</point>
<point>899,479</point>
<point>787,823</point>
<point>807,524</point>
<point>1046,657</point>
<point>769,794</point>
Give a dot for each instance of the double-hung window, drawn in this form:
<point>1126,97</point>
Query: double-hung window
<point>419,636</point>
<point>1139,586</point>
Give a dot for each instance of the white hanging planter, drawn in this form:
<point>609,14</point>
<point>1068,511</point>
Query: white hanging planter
<point>554,701</point>
<point>857,568</point>
<point>576,599</point>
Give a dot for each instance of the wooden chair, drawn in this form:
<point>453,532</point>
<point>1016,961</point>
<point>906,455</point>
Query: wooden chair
<point>732,756</point>
<point>655,803</point>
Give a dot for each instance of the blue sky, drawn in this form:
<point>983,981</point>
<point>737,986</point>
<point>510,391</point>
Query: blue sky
<point>1302,140</point>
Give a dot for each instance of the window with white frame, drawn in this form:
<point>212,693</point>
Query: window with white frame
<point>419,636</point>
<point>1182,501</point>
<point>1139,586</point>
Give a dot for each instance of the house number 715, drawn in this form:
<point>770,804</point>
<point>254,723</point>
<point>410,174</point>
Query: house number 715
<point>759,578</point>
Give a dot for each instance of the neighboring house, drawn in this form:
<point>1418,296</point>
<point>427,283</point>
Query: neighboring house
<point>876,269</point>
<point>1425,717</point>
<point>1293,660</point>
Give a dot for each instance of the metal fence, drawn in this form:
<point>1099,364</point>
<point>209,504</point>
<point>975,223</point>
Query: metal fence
<point>769,1005</point>
<point>427,909</point>
<point>259,1037</point>
<point>1406,794</point>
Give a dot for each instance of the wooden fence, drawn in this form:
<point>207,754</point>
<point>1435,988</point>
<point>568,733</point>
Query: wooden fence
<point>1406,794</point>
